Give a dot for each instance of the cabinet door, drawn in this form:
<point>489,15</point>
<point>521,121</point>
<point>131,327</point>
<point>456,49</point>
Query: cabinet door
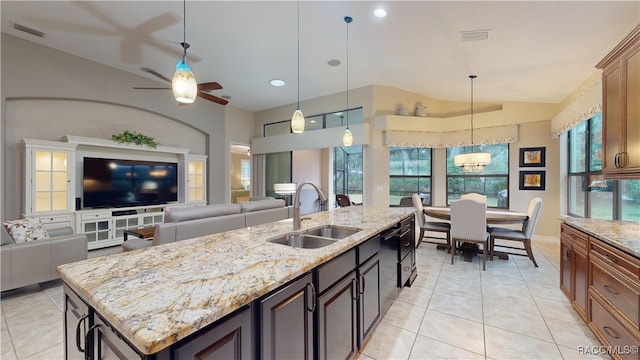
<point>286,329</point>
<point>612,112</point>
<point>632,109</point>
<point>580,281</point>
<point>229,340</point>
<point>337,320</point>
<point>109,345</point>
<point>369,299</point>
<point>196,180</point>
<point>565,267</point>
<point>50,183</point>
<point>76,324</point>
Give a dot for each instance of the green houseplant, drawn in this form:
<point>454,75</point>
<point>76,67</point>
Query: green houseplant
<point>129,137</point>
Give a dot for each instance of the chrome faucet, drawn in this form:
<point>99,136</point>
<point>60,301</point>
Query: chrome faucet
<point>296,203</point>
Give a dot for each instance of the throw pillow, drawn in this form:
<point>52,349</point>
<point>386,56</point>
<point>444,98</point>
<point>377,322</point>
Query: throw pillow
<point>26,229</point>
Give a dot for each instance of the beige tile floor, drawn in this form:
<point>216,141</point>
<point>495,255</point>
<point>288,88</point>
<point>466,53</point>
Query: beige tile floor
<point>510,311</point>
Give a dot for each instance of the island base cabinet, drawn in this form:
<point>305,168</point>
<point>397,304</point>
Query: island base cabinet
<point>612,333</point>
<point>108,344</point>
<point>76,324</point>
<point>336,319</point>
<point>369,302</point>
<point>229,340</point>
<point>286,321</point>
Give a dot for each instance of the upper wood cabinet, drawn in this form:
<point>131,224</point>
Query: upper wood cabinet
<point>621,108</point>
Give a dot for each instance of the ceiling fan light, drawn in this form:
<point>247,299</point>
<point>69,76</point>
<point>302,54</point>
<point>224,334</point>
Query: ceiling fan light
<point>297,122</point>
<point>347,137</point>
<point>184,85</point>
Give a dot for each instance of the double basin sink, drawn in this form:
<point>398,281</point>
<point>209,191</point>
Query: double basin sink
<point>316,237</point>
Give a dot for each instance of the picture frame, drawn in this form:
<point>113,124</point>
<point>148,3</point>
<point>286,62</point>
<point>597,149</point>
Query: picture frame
<point>532,157</point>
<point>532,180</point>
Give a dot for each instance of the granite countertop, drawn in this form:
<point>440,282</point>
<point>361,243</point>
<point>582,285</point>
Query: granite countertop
<point>159,295</point>
<point>623,235</point>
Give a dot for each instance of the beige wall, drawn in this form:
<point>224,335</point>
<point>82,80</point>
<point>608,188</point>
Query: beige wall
<point>31,71</point>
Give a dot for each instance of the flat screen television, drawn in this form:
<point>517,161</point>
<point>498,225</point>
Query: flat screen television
<point>120,183</point>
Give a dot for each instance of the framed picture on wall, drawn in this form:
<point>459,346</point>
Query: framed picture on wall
<point>532,157</point>
<point>532,180</point>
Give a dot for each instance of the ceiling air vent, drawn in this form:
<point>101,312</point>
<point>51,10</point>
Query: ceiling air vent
<point>475,35</point>
<point>28,30</point>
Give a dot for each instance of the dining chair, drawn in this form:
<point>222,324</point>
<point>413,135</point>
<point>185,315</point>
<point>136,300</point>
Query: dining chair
<point>469,225</point>
<point>343,200</point>
<point>406,201</point>
<point>523,236</point>
<point>435,226</point>
<point>475,196</point>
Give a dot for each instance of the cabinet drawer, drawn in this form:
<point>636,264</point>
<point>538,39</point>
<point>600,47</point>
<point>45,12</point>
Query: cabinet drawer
<point>96,216</point>
<point>404,271</point>
<point>55,219</point>
<point>368,249</point>
<point>618,260</point>
<point>624,297</point>
<point>336,269</point>
<point>610,331</point>
<point>574,235</point>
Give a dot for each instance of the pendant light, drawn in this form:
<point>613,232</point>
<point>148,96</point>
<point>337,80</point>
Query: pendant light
<point>473,161</point>
<point>297,120</point>
<point>184,85</point>
<point>347,136</point>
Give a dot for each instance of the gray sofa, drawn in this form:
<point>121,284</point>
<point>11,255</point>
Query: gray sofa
<point>36,261</point>
<point>191,222</point>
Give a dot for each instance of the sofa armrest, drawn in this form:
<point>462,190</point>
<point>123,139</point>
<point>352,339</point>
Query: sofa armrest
<point>66,230</point>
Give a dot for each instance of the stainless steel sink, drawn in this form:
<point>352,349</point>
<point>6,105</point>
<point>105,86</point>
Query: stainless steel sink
<point>316,237</point>
<point>303,241</point>
<point>332,231</point>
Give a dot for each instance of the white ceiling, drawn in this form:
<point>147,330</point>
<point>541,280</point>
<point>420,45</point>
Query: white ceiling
<point>537,51</point>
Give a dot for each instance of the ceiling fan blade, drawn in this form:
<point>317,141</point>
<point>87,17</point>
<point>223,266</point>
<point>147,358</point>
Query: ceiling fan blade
<point>208,86</point>
<point>98,14</point>
<point>70,27</point>
<point>210,97</point>
<point>130,52</point>
<point>155,73</point>
<point>159,22</point>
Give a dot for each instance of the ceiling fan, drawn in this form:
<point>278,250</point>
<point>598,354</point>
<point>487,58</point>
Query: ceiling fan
<point>203,88</point>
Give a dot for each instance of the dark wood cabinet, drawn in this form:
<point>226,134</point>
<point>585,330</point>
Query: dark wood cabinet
<point>336,316</point>
<point>286,321</point>
<point>230,340</point>
<point>369,300</point>
<point>573,267</point>
<point>621,108</point>
<point>77,321</point>
<point>108,344</point>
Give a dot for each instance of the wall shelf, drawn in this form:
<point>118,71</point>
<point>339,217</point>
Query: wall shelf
<point>108,143</point>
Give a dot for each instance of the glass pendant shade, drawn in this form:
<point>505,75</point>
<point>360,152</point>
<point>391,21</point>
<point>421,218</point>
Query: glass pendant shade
<point>472,162</point>
<point>347,137</point>
<point>297,122</point>
<point>184,85</point>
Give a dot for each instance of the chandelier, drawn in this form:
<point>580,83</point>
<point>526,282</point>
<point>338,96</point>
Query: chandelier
<point>473,161</point>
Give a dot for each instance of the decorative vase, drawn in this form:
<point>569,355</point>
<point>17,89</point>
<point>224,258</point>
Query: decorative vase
<point>421,111</point>
<point>402,110</point>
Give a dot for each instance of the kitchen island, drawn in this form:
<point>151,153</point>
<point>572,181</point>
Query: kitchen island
<point>156,297</point>
<point>600,275</point>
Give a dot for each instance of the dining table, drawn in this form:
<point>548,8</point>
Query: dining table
<point>500,217</point>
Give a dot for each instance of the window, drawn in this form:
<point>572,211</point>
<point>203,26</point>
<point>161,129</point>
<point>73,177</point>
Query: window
<point>347,172</point>
<point>492,182</point>
<point>589,194</point>
<point>245,173</point>
<point>316,122</point>
<point>409,173</point>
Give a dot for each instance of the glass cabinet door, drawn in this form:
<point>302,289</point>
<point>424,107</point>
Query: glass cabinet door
<point>50,181</point>
<point>195,180</point>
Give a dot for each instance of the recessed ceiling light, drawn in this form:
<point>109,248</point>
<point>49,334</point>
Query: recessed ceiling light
<point>380,13</point>
<point>277,82</point>
<point>333,62</point>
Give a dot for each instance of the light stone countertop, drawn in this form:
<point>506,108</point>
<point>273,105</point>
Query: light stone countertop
<point>159,295</point>
<point>623,235</point>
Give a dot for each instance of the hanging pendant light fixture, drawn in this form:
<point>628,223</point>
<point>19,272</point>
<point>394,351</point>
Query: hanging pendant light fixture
<point>184,85</point>
<point>297,120</point>
<point>347,136</point>
<point>473,161</point>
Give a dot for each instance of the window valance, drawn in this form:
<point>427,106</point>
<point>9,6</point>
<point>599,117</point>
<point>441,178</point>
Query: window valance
<point>582,108</point>
<point>432,139</point>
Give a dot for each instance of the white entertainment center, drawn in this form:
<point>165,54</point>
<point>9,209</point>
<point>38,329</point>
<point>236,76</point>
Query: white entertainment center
<point>53,186</point>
